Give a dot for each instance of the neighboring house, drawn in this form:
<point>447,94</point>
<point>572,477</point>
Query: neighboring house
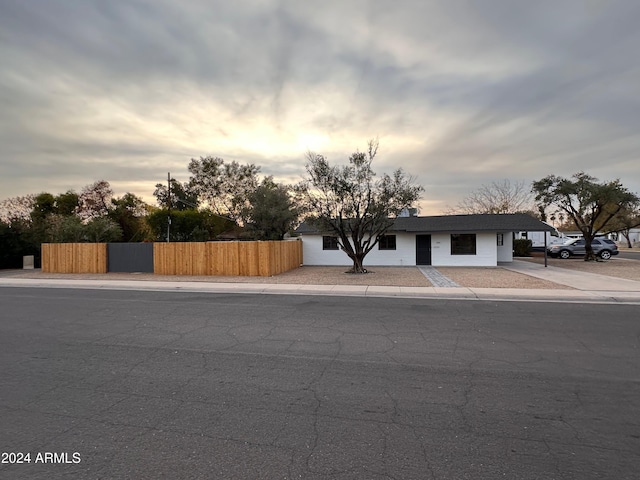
<point>450,240</point>
<point>634,237</point>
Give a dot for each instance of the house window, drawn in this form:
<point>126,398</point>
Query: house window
<point>463,244</point>
<point>500,239</point>
<point>387,242</point>
<point>329,243</point>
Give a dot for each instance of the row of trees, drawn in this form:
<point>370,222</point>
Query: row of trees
<point>93,215</point>
<point>350,202</point>
<point>261,208</point>
<point>96,215</point>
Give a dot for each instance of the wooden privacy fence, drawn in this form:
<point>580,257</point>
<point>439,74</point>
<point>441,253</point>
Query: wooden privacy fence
<point>194,258</point>
<point>227,258</point>
<point>74,257</point>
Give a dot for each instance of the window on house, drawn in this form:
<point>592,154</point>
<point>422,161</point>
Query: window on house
<point>387,242</point>
<point>500,239</point>
<point>463,244</point>
<point>329,243</point>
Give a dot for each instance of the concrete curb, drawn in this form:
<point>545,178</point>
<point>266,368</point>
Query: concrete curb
<point>459,293</point>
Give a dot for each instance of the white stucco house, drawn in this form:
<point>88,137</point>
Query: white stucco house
<point>634,237</point>
<point>448,240</point>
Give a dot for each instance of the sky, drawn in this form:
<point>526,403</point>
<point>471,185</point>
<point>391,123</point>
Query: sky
<point>458,93</point>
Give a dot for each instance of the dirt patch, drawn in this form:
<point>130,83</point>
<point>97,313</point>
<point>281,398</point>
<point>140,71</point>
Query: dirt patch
<point>471,277</point>
<point>377,276</point>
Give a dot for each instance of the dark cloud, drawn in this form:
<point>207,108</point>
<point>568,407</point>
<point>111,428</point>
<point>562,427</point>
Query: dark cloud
<point>459,93</point>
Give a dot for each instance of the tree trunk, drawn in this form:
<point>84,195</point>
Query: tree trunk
<point>627,236</point>
<point>357,264</point>
<point>589,256</point>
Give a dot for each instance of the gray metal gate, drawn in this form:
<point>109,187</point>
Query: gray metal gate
<point>130,257</point>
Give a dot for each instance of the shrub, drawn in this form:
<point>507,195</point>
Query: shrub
<point>522,247</point>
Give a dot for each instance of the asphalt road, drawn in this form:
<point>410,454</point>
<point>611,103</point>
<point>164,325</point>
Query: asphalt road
<point>631,255</point>
<point>177,385</point>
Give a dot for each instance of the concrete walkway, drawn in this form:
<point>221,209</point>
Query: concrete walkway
<point>436,278</point>
<point>587,288</point>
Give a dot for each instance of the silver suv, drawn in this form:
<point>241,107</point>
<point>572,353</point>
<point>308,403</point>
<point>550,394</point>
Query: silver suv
<point>603,247</point>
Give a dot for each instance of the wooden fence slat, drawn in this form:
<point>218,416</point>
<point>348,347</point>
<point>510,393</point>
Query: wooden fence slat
<point>74,257</point>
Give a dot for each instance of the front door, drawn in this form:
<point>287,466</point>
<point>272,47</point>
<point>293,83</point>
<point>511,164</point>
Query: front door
<point>423,249</point>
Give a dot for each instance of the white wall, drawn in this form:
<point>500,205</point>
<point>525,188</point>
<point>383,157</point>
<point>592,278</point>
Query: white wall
<point>505,252</point>
<point>404,254</point>
<point>487,253</point>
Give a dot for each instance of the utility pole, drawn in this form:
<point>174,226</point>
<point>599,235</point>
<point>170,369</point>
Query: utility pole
<point>168,205</point>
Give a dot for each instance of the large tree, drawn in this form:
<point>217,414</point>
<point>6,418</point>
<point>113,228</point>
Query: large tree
<point>224,186</point>
<point>271,212</point>
<point>352,204</point>
<point>181,196</point>
<point>44,204</point>
<point>129,212</point>
<point>624,221</point>
<point>187,225</point>
<point>17,208</point>
<point>67,203</point>
<point>592,205</point>
<point>95,200</point>
<point>496,197</point>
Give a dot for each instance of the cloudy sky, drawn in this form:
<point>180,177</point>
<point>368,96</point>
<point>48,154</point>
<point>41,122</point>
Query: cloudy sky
<point>459,93</point>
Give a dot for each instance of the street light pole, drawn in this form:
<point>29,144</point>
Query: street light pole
<point>168,206</point>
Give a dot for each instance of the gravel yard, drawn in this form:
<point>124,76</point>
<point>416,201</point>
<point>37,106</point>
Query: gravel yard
<point>377,276</point>
<point>495,277</point>
<point>472,277</point>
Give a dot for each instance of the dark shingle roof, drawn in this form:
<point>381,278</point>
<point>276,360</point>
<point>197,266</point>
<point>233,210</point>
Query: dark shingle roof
<point>508,222</point>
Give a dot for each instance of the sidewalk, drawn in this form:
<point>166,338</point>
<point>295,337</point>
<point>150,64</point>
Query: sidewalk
<point>586,288</point>
<point>574,279</point>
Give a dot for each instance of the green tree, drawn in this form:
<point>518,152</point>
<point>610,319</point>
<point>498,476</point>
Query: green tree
<point>16,240</point>
<point>187,225</point>
<point>592,205</point>
<point>44,204</point>
<point>71,229</point>
<point>129,212</point>
<point>67,203</point>
<point>181,197</point>
<point>624,221</point>
<point>225,187</point>
<point>352,204</point>
<point>43,208</point>
<point>64,229</point>
<point>271,211</point>
<point>102,229</point>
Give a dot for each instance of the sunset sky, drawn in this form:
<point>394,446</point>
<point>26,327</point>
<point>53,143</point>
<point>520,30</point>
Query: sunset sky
<point>459,93</point>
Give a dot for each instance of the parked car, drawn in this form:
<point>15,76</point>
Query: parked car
<point>603,247</point>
